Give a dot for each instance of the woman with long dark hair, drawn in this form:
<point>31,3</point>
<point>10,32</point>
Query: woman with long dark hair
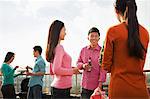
<point>60,62</point>
<point>124,54</point>
<point>8,89</point>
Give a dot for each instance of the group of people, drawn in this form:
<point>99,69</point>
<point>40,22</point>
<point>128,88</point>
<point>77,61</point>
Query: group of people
<point>35,82</point>
<point>124,56</point>
<point>61,68</point>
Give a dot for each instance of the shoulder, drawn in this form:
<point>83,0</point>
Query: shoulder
<point>116,27</point>
<point>41,61</point>
<point>59,50</point>
<point>144,33</point>
<point>143,29</point>
<point>84,48</point>
<point>4,65</point>
<point>114,31</point>
<point>59,47</point>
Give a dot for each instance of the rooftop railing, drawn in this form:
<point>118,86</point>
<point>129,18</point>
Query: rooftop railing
<point>76,79</point>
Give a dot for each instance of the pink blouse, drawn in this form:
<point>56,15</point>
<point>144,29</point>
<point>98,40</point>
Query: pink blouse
<point>61,69</point>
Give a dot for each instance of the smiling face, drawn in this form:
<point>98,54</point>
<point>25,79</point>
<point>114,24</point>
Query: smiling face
<point>93,37</point>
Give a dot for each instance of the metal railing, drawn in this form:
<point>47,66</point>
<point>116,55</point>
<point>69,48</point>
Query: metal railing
<point>76,79</point>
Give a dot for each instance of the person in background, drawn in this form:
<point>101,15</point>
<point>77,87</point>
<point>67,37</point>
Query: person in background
<point>125,52</point>
<point>101,54</point>
<point>36,80</point>
<point>93,76</point>
<point>8,89</point>
<point>60,62</point>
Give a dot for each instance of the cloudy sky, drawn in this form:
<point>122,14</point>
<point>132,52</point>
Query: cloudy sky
<point>25,23</point>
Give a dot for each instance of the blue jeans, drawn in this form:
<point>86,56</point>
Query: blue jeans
<point>35,92</point>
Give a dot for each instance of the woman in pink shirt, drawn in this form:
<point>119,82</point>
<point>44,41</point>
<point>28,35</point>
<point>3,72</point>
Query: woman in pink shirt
<point>93,76</point>
<point>60,62</point>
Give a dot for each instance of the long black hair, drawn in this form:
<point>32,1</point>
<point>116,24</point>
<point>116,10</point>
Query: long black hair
<point>53,38</point>
<point>129,9</point>
<point>8,56</point>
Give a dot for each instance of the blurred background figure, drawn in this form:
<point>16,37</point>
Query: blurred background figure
<point>36,80</point>
<point>8,89</point>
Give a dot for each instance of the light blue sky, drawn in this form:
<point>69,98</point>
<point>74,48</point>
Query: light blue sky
<point>25,23</point>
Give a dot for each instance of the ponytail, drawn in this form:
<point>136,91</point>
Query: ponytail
<point>134,44</point>
<point>128,9</point>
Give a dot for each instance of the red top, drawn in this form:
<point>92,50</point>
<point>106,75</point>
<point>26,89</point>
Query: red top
<point>127,78</point>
